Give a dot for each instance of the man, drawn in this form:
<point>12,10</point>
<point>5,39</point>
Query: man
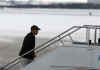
<point>28,45</point>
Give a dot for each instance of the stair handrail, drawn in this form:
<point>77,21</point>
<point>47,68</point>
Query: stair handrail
<point>6,65</point>
<point>40,49</point>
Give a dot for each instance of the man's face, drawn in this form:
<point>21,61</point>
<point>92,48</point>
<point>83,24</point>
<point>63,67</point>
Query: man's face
<point>35,32</point>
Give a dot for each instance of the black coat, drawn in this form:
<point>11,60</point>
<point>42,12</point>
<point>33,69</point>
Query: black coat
<point>28,44</point>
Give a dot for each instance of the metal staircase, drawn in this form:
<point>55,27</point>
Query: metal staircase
<point>54,40</point>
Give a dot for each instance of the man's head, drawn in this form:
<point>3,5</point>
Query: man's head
<point>35,29</point>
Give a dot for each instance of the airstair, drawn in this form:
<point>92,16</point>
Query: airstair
<point>62,52</point>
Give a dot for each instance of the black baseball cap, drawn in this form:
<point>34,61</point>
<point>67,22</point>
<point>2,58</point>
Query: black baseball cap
<point>34,27</point>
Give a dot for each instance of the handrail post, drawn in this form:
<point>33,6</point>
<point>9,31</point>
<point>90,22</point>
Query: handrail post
<point>88,35</point>
<point>95,36</point>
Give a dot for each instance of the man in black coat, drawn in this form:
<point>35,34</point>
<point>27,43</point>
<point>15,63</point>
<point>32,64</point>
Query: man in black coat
<point>28,45</point>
